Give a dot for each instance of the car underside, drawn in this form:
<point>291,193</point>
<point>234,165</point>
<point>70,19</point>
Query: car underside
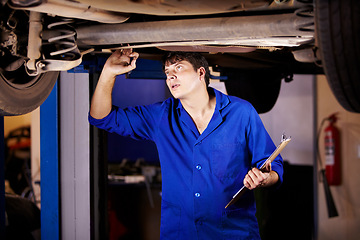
<point>252,42</point>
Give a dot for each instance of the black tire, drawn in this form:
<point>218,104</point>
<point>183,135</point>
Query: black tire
<point>260,88</point>
<point>338,36</point>
<point>21,94</point>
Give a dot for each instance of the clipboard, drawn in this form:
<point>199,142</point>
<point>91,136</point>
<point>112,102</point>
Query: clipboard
<point>280,147</point>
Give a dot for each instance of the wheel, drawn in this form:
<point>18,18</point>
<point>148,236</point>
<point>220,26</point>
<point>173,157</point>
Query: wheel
<point>338,35</point>
<point>20,93</point>
<point>260,88</point>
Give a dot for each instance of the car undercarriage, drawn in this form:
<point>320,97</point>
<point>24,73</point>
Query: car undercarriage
<point>283,37</point>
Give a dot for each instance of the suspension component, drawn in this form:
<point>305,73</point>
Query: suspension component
<point>59,51</point>
<point>8,38</point>
<point>308,54</point>
<point>34,41</point>
<point>306,12</point>
<point>63,44</point>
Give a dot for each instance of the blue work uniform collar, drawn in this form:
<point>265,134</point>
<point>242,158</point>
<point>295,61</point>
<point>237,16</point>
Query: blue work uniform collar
<point>222,101</point>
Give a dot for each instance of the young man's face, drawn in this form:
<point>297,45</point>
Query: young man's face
<point>182,80</point>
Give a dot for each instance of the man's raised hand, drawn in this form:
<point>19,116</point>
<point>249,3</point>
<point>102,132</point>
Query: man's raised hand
<point>121,61</point>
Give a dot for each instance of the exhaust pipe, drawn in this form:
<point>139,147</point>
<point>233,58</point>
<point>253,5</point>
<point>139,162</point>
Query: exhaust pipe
<point>214,29</point>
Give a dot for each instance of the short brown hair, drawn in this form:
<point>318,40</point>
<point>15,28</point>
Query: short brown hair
<point>195,59</point>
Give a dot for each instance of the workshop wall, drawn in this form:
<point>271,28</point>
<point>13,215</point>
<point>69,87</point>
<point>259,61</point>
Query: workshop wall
<point>293,114</point>
<point>33,120</point>
<point>346,195</point>
<point>14,122</point>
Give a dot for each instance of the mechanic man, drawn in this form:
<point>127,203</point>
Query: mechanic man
<point>209,144</point>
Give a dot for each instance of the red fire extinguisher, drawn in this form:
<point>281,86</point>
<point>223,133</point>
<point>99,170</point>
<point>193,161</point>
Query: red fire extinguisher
<point>332,152</point>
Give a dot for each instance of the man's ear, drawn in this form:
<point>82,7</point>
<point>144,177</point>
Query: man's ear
<point>201,71</point>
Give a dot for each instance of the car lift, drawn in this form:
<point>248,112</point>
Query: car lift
<point>63,129</point>
<point>49,166</point>
<point>49,170</point>
<point>70,167</point>
<point>2,180</point>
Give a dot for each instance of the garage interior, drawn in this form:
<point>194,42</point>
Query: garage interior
<point>93,185</point>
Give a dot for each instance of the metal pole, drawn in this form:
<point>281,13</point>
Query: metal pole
<point>2,179</point>
<point>49,167</point>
